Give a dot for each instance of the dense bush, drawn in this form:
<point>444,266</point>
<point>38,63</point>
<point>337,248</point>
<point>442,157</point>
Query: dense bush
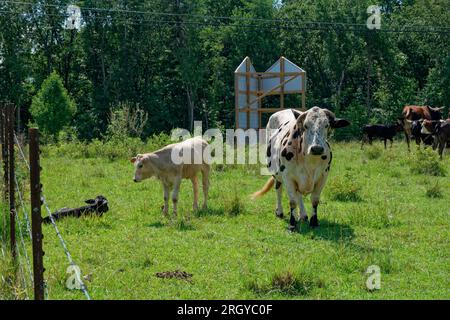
<point>52,108</point>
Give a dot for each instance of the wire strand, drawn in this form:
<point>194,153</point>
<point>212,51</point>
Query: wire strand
<point>63,243</point>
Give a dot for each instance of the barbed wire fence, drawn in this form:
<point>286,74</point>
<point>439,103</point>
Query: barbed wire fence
<point>26,224</point>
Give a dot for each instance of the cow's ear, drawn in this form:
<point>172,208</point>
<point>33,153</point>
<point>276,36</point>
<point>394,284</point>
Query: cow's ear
<point>336,123</point>
<point>296,113</point>
<point>339,123</point>
<point>90,201</point>
<point>133,160</point>
<point>301,119</point>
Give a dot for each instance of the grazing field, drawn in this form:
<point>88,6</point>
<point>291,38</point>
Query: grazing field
<point>378,208</point>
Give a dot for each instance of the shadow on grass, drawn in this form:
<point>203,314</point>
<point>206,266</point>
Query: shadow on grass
<point>180,224</point>
<point>209,212</point>
<point>156,225</point>
<point>328,230</point>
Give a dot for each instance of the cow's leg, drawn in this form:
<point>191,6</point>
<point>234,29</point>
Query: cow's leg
<point>205,183</point>
<point>441,148</point>
<point>303,214</point>
<point>315,199</point>
<point>293,198</point>
<point>364,139</point>
<point>165,208</point>
<point>407,139</point>
<point>385,144</point>
<point>279,209</point>
<point>195,188</point>
<point>176,190</point>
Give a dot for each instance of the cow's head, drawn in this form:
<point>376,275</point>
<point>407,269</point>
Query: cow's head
<point>315,124</point>
<point>142,167</point>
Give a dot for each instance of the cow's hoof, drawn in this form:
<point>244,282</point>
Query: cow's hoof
<point>304,219</point>
<point>279,214</point>
<point>292,228</point>
<point>314,223</point>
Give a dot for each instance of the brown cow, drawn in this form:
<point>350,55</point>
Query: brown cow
<point>412,113</point>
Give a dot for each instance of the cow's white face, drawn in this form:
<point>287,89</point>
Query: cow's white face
<point>142,169</point>
<point>315,127</point>
<point>315,124</point>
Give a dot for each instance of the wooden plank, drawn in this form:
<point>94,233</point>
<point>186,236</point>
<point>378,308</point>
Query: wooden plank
<point>247,77</point>
<point>236,102</point>
<point>282,81</point>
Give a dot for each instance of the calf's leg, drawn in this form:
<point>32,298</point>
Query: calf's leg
<point>195,187</point>
<point>166,199</point>
<point>205,185</point>
<point>176,190</point>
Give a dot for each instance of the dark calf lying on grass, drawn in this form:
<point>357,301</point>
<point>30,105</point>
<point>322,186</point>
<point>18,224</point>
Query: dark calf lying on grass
<point>96,206</point>
<point>384,132</point>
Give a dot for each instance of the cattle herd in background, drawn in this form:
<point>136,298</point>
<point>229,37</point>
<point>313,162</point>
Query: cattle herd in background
<point>423,124</point>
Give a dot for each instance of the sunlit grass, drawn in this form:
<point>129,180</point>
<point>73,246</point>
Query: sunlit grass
<point>238,249</point>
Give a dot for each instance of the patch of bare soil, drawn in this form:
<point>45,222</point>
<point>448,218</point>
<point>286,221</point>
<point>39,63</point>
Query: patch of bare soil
<point>177,274</point>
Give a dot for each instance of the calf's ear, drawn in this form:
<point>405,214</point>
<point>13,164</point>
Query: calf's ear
<point>133,160</point>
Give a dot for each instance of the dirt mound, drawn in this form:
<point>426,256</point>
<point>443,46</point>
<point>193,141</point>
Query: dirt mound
<point>177,274</point>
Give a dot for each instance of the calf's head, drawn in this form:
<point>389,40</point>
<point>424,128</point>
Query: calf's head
<point>315,124</point>
<point>142,168</point>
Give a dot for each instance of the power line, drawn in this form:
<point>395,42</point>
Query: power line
<point>218,21</point>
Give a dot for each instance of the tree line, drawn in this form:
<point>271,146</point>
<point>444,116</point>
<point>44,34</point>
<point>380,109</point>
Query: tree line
<point>175,59</point>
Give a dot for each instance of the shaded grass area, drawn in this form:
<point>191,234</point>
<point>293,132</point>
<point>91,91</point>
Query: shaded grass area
<point>374,211</point>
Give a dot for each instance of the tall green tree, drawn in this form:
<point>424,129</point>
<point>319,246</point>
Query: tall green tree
<point>52,108</point>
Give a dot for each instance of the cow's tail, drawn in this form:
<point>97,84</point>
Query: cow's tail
<point>269,184</point>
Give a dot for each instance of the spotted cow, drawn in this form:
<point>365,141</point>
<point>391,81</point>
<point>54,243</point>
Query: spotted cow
<point>299,158</point>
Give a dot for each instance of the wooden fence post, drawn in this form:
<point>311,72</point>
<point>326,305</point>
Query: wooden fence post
<point>5,163</point>
<point>5,151</point>
<point>12,204</point>
<point>36,218</point>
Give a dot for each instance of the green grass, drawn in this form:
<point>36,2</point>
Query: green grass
<point>238,249</point>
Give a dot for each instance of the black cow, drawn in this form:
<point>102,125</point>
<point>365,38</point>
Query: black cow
<point>418,135</point>
<point>97,206</point>
<point>384,132</point>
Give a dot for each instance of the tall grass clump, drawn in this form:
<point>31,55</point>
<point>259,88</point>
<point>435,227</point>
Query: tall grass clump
<point>373,152</point>
<point>236,206</point>
<point>434,191</point>
<point>287,283</point>
<point>426,161</point>
<point>344,188</point>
